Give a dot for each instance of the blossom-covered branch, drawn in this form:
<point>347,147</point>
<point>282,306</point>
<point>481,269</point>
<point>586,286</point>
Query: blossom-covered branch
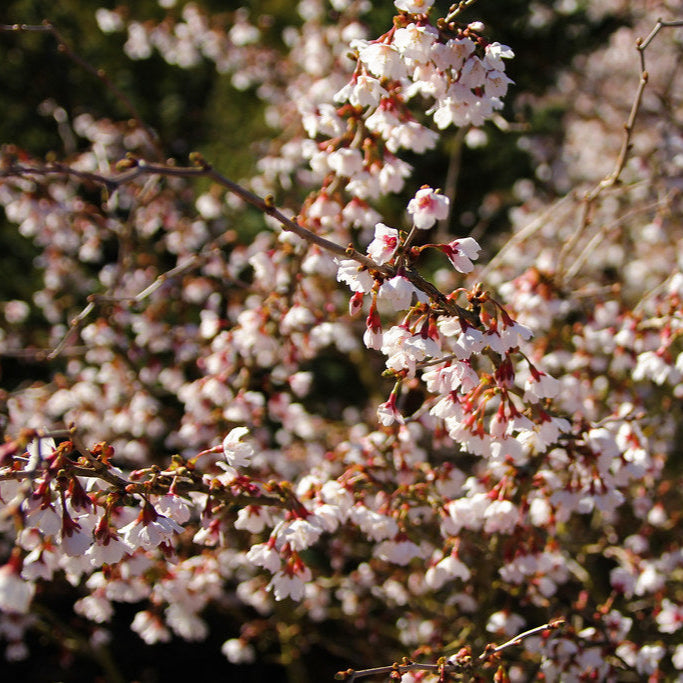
<point>462,662</point>
<point>350,427</point>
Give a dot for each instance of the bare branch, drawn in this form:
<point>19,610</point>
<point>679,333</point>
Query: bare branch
<point>613,178</point>
<point>454,10</point>
<point>64,48</point>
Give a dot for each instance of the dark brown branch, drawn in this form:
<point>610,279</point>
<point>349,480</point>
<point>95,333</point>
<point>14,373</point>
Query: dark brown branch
<point>205,170</point>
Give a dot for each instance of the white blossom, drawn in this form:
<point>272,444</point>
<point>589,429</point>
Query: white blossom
<point>237,454</point>
<point>427,207</point>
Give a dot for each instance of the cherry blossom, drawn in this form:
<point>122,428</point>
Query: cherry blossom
<point>414,6</point>
<point>149,530</point>
<point>384,244</point>
<point>15,593</point>
<point>461,253</point>
<point>398,293</point>
<point>427,207</point>
<point>290,583</point>
<point>257,397</point>
<point>237,454</point>
<point>238,651</point>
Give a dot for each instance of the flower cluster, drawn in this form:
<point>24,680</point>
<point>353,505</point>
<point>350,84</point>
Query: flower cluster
<point>500,448</point>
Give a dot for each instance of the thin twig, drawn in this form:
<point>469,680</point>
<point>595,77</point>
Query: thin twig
<point>655,290</point>
<point>74,324</point>
<point>64,48</point>
<point>612,178</point>
<point>40,355</point>
<point>457,8</point>
<point>551,625</point>
<point>451,665</point>
<point>265,205</point>
<point>527,231</point>
<point>600,235</point>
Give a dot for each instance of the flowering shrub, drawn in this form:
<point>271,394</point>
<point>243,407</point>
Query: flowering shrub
<point>496,496</point>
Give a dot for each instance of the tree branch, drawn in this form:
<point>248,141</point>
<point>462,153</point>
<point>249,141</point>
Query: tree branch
<point>450,666</point>
<point>561,275</point>
<point>203,169</point>
<point>64,48</point>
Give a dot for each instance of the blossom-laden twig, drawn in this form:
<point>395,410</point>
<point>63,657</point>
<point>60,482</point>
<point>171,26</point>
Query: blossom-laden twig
<point>73,459</point>
<point>482,488</point>
<point>456,664</point>
<point>203,169</point>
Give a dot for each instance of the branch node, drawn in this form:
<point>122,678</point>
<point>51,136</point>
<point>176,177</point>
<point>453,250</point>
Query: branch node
<point>197,159</point>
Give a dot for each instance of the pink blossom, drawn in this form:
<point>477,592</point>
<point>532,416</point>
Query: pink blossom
<point>373,337</point>
<point>388,413</point>
<point>427,207</point>
<point>364,91</point>
<point>149,530</point>
<point>253,518</point>
<point>265,555</point>
<point>398,293</point>
<point>75,538</point>
<point>174,506</point>
<point>107,552</point>
<point>346,162</point>
<point>467,342</point>
<point>397,552</point>
<point>15,592</point>
<point>648,658</point>
<point>495,53</point>
<point>150,628</point>
<point>95,607</point>
<point>374,525</point>
<point>298,533</point>
<point>238,651</point>
<point>447,569</point>
<point>411,135</point>
<point>415,42</point>
<point>461,253</point>
<point>290,583</point>
<point>382,60</point>
<point>185,623</point>
<point>505,622</point>
<point>508,336</point>
<point>501,516</point>
<point>496,84</point>
<point>453,376</point>
<point>40,449</point>
<point>677,657</point>
<point>355,276</point>
<point>670,618</point>
<point>384,244</point>
<point>540,385</point>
